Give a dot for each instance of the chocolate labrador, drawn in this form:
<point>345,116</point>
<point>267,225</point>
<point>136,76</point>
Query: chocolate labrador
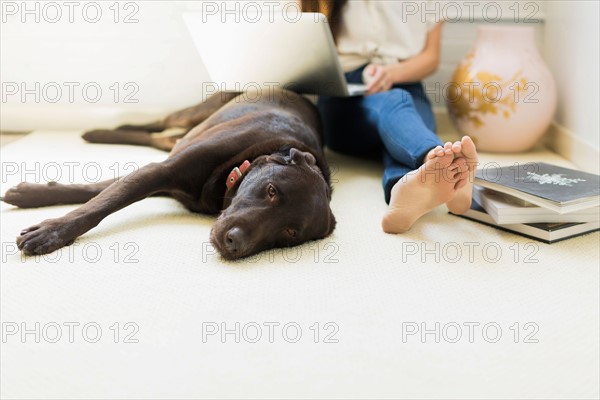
<point>255,159</point>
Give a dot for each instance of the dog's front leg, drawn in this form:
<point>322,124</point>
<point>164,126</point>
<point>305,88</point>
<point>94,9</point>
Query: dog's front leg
<point>53,234</point>
<point>31,195</point>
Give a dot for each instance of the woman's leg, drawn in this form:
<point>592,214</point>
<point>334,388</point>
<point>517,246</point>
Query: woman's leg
<point>462,201</point>
<point>406,125</point>
<point>422,104</point>
<point>398,123</point>
<point>441,179</point>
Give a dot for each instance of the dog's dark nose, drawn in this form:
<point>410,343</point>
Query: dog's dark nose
<point>299,157</point>
<point>234,239</point>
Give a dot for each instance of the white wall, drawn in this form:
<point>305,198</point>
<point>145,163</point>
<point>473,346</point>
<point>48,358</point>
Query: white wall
<point>572,53</point>
<point>153,52</point>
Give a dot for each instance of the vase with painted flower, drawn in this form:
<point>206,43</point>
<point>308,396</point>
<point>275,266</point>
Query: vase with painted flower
<point>502,94</point>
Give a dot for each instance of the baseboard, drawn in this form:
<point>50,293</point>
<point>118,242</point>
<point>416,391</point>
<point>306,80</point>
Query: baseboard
<point>558,139</point>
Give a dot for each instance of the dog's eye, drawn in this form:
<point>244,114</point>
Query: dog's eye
<point>271,191</point>
<point>291,232</point>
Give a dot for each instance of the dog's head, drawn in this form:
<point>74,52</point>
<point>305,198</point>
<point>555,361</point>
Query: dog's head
<point>282,200</point>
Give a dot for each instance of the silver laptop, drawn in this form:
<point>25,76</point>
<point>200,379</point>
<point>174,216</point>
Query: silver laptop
<point>270,51</point>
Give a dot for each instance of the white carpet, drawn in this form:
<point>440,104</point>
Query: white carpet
<point>150,264</point>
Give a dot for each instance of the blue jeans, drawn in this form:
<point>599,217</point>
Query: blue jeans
<point>398,124</point>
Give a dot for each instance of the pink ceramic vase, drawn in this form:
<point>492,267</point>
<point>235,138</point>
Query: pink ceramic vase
<point>502,94</point>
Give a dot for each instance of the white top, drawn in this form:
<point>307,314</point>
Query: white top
<point>384,32</point>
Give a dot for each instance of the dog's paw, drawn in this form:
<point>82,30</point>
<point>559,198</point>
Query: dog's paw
<point>45,237</point>
<point>28,195</point>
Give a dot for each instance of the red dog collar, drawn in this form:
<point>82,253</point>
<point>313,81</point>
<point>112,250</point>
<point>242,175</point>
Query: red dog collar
<point>236,174</point>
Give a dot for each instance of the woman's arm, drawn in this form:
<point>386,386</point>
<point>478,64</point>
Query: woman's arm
<point>412,70</point>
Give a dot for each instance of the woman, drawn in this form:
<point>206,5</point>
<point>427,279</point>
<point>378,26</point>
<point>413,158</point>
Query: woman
<point>390,46</point>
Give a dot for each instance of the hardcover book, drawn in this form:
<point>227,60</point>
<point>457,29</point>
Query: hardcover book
<point>562,190</point>
<point>505,209</point>
<point>544,232</point>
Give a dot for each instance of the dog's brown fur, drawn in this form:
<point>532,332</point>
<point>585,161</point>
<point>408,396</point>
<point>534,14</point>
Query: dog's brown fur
<point>282,200</point>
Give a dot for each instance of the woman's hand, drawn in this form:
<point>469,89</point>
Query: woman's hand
<point>413,69</point>
<point>378,78</point>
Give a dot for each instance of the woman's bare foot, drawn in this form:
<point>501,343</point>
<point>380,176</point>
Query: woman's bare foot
<point>464,148</point>
<point>462,201</point>
<point>420,191</point>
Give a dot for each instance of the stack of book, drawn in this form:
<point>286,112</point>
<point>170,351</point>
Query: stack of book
<point>538,200</point>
